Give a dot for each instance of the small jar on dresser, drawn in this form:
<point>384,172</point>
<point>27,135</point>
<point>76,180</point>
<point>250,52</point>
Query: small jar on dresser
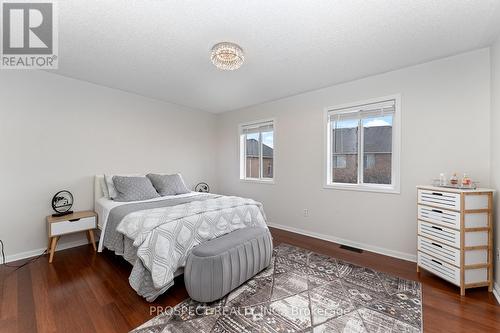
<point>455,235</point>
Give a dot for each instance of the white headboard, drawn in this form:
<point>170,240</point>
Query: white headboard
<point>98,194</point>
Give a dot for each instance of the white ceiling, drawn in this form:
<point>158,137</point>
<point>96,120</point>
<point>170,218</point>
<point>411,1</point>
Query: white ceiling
<point>161,49</point>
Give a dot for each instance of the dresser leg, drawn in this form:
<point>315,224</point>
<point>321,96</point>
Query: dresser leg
<point>462,291</point>
<point>53,244</point>
<point>90,235</point>
<point>418,269</point>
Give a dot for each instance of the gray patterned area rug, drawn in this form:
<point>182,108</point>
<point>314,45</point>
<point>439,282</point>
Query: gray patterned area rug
<point>303,291</point>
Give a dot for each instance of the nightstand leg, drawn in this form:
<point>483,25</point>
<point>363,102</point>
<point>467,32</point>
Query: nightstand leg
<point>53,244</point>
<point>92,239</point>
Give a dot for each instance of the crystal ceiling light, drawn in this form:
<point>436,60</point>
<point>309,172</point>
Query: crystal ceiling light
<point>227,56</point>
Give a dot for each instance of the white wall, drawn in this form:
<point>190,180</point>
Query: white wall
<point>495,144</point>
<point>56,133</point>
<point>445,117</point>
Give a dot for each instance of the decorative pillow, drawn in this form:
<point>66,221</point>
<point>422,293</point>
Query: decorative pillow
<point>111,186</point>
<point>168,184</point>
<point>133,188</point>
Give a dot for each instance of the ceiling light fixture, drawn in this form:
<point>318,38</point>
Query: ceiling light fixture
<point>227,56</point>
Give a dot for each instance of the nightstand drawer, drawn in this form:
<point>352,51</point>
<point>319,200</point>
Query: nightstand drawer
<point>66,227</point>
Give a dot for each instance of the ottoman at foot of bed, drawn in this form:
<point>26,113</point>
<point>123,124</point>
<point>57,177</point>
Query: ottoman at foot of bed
<point>215,268</point>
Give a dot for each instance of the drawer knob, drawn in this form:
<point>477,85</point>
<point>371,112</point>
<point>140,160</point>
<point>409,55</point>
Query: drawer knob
<point>437,228</point>
<point>437,211</point>
<point>437,193</point>
<point>74,220</point>
<point>437,245</point>
<point>437,262</point>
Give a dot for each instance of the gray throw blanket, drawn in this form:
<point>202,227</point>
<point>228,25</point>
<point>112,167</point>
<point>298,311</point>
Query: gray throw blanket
<point>116,241</point>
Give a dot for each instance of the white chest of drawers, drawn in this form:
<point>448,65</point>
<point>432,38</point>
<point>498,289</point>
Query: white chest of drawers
<point>455,237</point>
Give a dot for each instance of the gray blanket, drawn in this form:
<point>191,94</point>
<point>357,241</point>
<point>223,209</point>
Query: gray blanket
<point>164,237</point>
<point>156,237</point>
<point>116,241</point>
<point>123,246</point>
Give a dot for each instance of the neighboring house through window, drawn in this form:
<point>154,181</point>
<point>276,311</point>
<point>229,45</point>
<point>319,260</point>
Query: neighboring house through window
<point>257,151</point>
<point>340,161</point>
<point>363,145</point>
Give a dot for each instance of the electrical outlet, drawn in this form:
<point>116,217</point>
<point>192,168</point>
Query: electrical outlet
<point>306,212</point>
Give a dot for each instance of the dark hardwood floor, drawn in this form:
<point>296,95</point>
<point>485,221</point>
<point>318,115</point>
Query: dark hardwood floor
<point>82,291</point>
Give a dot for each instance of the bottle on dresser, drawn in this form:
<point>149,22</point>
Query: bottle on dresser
<point>466,181</point>
<point>442,179</point>
<point>454,179</point>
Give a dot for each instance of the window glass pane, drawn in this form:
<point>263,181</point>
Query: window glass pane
<point>377,149</point>
<point>252,152</point>
<point>345,151</point>
<point>340,161</point>
<point>369,161</point>
<point>267,154</point>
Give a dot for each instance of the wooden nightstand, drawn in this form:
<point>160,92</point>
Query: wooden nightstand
<point>69,224</point>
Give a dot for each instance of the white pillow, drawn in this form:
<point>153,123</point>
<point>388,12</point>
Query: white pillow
<point>111,186</point>
<point>104,187</point>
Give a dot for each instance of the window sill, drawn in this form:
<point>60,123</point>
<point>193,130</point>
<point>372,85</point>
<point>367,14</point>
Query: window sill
<point>363,188</point>
<point>258,181</point>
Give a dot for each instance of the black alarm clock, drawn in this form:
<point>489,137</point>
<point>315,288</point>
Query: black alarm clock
<point>62,203</point>
<point>202,187</point>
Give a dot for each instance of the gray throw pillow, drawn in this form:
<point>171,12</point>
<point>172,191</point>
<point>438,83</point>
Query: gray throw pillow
<point>133,189</point>
<point>168,184</point>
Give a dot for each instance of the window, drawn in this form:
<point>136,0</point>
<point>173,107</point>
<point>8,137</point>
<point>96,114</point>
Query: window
<point>257,151</point>
<point>363,146</point>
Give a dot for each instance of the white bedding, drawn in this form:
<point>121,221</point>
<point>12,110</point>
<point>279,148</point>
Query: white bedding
<point>103,207</point>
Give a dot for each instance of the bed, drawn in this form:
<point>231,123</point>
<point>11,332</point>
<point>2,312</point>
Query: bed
<point>155,236</point>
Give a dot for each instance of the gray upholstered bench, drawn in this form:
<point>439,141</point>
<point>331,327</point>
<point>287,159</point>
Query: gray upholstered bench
<point>215,268</point>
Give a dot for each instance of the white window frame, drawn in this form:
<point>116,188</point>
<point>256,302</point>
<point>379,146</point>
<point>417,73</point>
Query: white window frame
<point>242,153</point>
<point>395,185</point>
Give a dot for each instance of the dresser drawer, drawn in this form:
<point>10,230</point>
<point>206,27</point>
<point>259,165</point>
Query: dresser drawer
<point>443,217</point>
<point>66,227</point>
<point>439,199</point>
<point>439,267</point>
<point>439,250</point>
<point>439,233</point>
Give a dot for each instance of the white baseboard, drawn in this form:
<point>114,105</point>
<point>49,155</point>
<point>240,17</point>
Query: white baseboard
<point>376,249</point>
<point>37,252</point>
<point>496,292</point>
